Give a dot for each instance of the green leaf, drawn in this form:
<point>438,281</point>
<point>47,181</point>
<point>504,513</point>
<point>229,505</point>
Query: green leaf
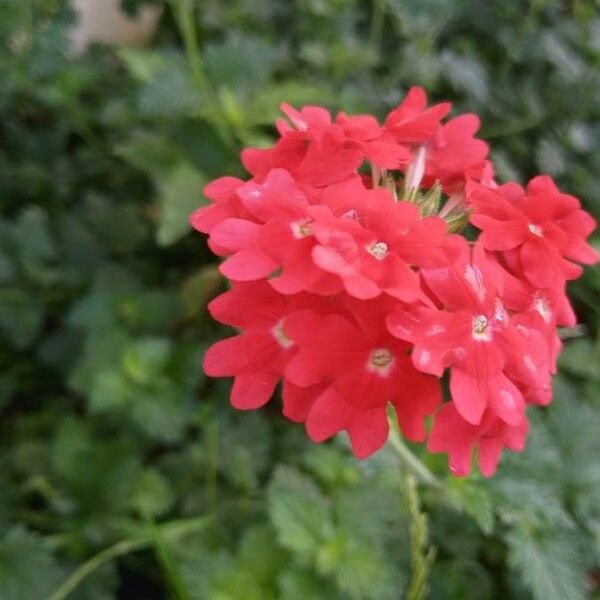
<point>152,495</point>
<point>474,499</point>
<point>582,358</point>
<point>179,194</point>
<point>297,583</point>
<point>143,65</point>
<point>549,563</point>
<point>151,152</point>
<point>241,63</point>
<point>95,474</point>
<point>300,514</point>
<point>27,569</point>
<point>245,449</point>
<point>21,316</point>
<point>37,250</point>
<point>459,578</point>
<point>171,93</point>
<point>145,359</point>
<point>161,410</point>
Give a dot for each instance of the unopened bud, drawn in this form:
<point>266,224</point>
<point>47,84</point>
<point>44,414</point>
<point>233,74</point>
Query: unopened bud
<point>457,221</point>
<point>415,171</point>
<point>429,203</point>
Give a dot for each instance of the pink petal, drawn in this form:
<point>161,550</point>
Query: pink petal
<point>470,395</point>
<point>225,358</point>
<point>297,401</point>
<point>328,415</point>
<point>253,390</point>
<point>235,234</point>
<point>248,265</point>
<point>368,431</point>
<point>507,401</point>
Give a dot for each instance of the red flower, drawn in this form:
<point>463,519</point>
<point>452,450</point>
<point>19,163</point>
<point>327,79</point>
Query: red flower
<point>452,434</point>
<point>225,204</point>
<point>354,368</point>
<point>455,155</point>
<point>373,251</point>
<point>317,153</point>
<point>356,301</point>
<point>450,153</point>
<point>546,227</point>
<point>257,356</point>
<point>376,143</point>
<point>474,337</point>
<point>412,122</point>
<point>541,308</point>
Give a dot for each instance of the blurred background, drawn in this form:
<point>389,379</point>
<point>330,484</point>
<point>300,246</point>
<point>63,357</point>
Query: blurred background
<point>124,473</point>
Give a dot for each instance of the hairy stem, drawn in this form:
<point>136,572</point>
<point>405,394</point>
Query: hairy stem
<point>410,461</point>
<point>183,11</point>
<point>421,555</point>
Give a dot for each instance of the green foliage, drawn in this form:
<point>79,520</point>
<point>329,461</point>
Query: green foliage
<point>111,436</point>
<point>22,555</point>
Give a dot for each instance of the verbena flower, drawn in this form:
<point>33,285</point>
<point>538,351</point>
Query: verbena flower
<point>352,287</point>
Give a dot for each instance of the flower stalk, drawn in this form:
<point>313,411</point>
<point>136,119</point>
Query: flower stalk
<point>409,460</point>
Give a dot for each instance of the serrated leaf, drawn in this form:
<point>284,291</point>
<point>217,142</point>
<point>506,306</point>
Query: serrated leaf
<point>460,578</point>
<point>299,512</point>
<point>550,564</point>
<point>241,63</point>
<point>245,450</point>
<point>298,583</point>
<point>170,93</point>
<point>475,500</point>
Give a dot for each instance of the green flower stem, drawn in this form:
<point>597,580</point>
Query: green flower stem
<point>127,546</point>
<point>410,461</point>
<point>377,22</point>
<point>168,565</point>
<point>421,554</point>
<point>183,12</point>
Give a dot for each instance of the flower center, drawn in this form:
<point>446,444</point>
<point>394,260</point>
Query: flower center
<point>378,250</point>
<point>281,336</point>
<point>536,230</point>
<point>481,328</point>
<point>301,229</point>
<point>380,360</point>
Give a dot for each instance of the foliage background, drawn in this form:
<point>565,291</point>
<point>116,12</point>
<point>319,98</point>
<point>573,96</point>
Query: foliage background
<point>110,432</point>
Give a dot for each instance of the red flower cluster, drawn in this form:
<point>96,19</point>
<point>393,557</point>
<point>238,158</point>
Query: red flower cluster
<point>354,289</point>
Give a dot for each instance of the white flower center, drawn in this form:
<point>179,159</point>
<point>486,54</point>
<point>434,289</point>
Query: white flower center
<point>380,361</point>
<point>536,230</point>
<point>481,329</point>
<point>281,336</point>
<point>378,250</point>
<point>301,229</point>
